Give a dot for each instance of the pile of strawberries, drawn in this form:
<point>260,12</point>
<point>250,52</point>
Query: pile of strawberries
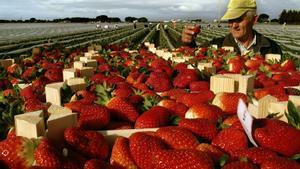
<point>196,128</point>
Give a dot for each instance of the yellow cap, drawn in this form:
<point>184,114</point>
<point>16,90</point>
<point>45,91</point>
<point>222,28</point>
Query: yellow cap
<point>236,8</point>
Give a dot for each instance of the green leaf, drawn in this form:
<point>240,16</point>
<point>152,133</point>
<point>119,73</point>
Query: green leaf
<point>223,160</point>
<point>293,115</point>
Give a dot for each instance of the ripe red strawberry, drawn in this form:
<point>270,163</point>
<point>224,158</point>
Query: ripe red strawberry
<point>17,152</point>
<point>255,62</point>
<point>93,117</point>
<point>211,150</point>
<point>123,91</point>
<point>199,86</point>
<point>54,75</point>
<point>8,92</point>
<point>205,111</point>
<point>92,144</point>
<point>159,81</point>
<point>177,137</point>
<point>230,140</point>
<point>239,165</point>
<point>86,97</point>
<point>28,93</point>
<point>256,155</point>
<point>39,85</point>
<point>230,120</point>
<point>197,29</point>
<point>203,128</point>
<point>288,65</point>
<point>29,73</point>
<point>276,135</point>
<point>14,69</point>
<point>142,147</point>
<point>75,106</point>
<point>174,93</point>
<point>189,99</point>
<point>236,64</point>
<point>48,155</point>
<point>177,108</point>
<point>95,164</point>
<point>156,116</point>
<point>118,107</point>
<point>228,102</point>
<point>185,77</point>
<point>280,163</point>
<point>120,154</point>
<point>34,105</point>
<point>182,159</point>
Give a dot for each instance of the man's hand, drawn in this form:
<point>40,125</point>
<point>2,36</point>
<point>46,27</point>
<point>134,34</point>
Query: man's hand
<point>189,33</point>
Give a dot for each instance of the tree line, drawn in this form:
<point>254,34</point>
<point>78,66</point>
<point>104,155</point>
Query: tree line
<point>101,18</point>
<point>290,17</point>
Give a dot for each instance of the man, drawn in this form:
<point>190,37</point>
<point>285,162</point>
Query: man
<point>241,16</point>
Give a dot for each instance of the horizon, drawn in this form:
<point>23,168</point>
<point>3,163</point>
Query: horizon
<point>155,10</point>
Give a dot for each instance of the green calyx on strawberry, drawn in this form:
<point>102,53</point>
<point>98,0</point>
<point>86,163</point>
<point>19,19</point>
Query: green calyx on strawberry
<point>293,115</point>
<point>120,108</point>
<point>17,152</point>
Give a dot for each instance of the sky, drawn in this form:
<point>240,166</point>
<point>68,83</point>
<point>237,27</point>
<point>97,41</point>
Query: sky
<point>151,9</point>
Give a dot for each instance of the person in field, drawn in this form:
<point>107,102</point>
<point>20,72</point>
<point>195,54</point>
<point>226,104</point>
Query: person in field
<point>241,16</point>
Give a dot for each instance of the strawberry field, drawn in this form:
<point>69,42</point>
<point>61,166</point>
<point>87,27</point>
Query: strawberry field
<point>78,97</point>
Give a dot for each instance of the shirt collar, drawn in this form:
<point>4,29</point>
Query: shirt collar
<point>241,46</point>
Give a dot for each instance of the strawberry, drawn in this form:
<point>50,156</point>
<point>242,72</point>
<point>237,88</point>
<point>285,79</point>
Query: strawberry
<point>257,155</point>
<point>197,29</point>
<point>228,102</point>
<point>29,73</point>
<point>123,91</point>
<point>142,147</point>
<point>93,117</point>
<point>154,117</point>
<point>8,92</point>
<point>118,107</point>
<point>177,137</point>
<point>205,111</point>
<point>280,163</point>
<point>185,77</point>
<point>211,150</point>
<point>203,128</point>
<point>94,164</point>
<point>239,165</point>
<point>189,99</point>
<point>48,155</point>
<point>28,93</point>
<point>92,144</point>
<point>230,140</point>
<point>182,159</point>
<point>75,106</point>
<point>230,120</point>
<point>34,105</point>
<point>175,107</point>
<point>275,135</point>
<point>255,62</point>
<point>199,86</point>
<point>120,154</point>
<point>288,65</point>
<point>54,75</point>
<point>17,152</point>
<point>236,64</point>
<point>159,81</point>
<point>86,97</point>
<point>174,93</point>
